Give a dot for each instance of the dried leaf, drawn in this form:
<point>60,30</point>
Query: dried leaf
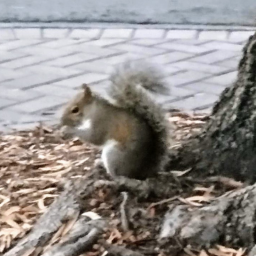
<point>10,231</point>
<point>203,253</point>
<point>11,210</point>
<point>181,173</point>
<point>185,201</point>
<point>56,237</point>
<point>189,252</point>
<point>115,234</point>
<point>217,252</point>
<point>199,198</point>
<point>2,246</point>
<point>69,225</point>
<point>12,223</point>
<point>231,251</point>
<point>5,200</point>
<point>29,252</point>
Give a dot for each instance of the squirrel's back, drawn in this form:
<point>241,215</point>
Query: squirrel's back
<point>130,84</point>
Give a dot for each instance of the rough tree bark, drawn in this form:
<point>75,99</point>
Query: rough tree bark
<point>227,144</point>
<point>229,220</point>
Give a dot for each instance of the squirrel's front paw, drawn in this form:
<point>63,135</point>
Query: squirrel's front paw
<point>98,163</point>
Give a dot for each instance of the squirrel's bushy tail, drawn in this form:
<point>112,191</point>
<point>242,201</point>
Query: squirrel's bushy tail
<point>129,85</point>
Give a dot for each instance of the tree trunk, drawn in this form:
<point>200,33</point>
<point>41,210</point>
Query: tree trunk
<point>229,220</point>
<point>227,144</point>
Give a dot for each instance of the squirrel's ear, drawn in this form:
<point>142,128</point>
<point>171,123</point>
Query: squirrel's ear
<point>87,90</point>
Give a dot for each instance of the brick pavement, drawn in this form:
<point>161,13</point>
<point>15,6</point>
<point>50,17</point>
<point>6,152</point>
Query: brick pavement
<point>40,69</point>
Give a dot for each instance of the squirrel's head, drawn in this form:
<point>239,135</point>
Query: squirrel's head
<point>76,109</point>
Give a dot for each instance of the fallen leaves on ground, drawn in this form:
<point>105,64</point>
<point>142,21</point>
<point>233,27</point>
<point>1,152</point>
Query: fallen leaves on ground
<point>35,164</point>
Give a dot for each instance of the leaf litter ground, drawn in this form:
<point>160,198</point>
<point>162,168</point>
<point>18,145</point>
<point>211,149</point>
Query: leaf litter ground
<point>35,164</point>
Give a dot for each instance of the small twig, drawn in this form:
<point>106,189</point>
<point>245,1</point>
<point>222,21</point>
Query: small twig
<point>76,247</point>
<point>164,201</point>
<point>229,182</point>
<point>114,250</point>
<point>123,211</point>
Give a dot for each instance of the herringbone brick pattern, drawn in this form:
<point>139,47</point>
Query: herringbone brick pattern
<point>40,69</point>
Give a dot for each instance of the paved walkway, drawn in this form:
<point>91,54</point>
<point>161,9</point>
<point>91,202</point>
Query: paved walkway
<point>40,69</point>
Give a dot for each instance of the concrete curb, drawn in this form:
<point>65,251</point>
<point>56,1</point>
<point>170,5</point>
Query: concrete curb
<point>41,33</point>
<point>124,25</point>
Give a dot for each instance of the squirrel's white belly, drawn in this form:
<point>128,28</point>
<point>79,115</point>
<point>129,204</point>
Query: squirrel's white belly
<point>107,148</point>
<point>86,125</point>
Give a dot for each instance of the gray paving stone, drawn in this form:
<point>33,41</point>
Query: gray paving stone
<point>53,89</point>
<point>6,34</point>
<point>28,33</point>
<point>180,92</point>
<point>149,33</point>
<point>77,81</point>
<point>23,127</point>
<point>215,56</point>
<point>199,101</point>
<point>25,61</point>
<point>101,89</point>
<point>183,47</point>
<point>18,44</point>
<point>224,80</point>
<point>18,94</point>
<point>29,81</point>
<point>205,87</point>
<point>51,123</point>
<point>223,46</point>
<point>56,113</point>
<point>240,35</point>
<point>7,56</point>
<point>14,117</point>
<point>117,33</point>
<point>5,102</point>
<point>4,129</point>
<point>170,57</point>
<point>49,69</point>
<point>47,52</point>
<point>104,42</point>
<point>163,101</point>
<point>168,70</point>
<point>8,74</point>
<point>59,43</point>
<point>55,33</point>
<point>191,41</point>
<point>71,59</point>
<point>181,34</point>
<point>92,49</point>
<point>113,60</point>
<point>203,67</point>
<point>148,41</point>
<point>186,77</point>
<point>99,66</point>
<point>204,111</point>
<point>58,72</point>
<point>139,49</point>
<point>85,33</point>
<point>231,63</point>
<point>39,104</point>
<point>213,35</point>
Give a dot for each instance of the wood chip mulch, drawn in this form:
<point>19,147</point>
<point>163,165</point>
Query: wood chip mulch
<point>35,164</point>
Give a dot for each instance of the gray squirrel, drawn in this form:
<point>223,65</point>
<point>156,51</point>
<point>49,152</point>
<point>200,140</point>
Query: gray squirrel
<point>132,130</point>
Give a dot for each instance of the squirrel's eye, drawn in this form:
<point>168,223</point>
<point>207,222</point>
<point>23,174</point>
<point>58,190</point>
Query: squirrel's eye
<point>75,110</point>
